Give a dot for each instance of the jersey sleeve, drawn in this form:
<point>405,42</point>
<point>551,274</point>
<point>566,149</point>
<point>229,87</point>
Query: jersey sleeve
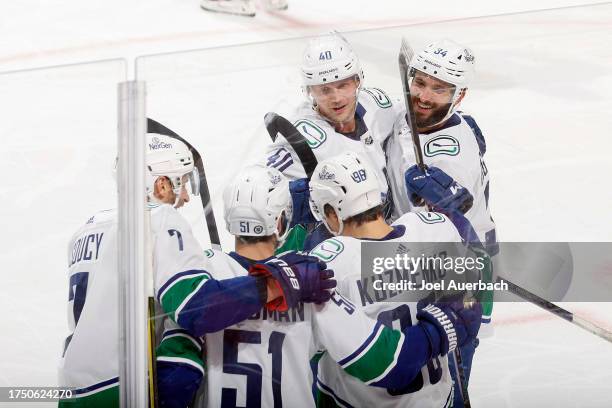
<point>366,349</point>
<point>185,288</point>
<point>180,366</point>
<point>281,156</point>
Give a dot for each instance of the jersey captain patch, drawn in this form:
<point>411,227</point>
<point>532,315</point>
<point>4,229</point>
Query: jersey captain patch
<point>315,136</point>
<point>443,144</point>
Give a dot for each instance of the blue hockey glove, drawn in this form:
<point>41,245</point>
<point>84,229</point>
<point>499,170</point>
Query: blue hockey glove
<point>449,325</point>
<point>177,384</point>
<point>305,280</point>
<point>299,196</point>
<point>438,189</point>
<point>317,281</point>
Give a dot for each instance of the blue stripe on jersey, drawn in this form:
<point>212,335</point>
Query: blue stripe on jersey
<point>218,304</point>
<point>324,388</point>
<point>362,347</point>
<point>278,162</point>
<point>178,276</point>
<point>482,145</point>
<point>97,386</point>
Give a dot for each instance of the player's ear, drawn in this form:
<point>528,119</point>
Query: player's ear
<point>160,188</point>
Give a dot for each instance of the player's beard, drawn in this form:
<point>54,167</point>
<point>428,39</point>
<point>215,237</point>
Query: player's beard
<point>434,116</point>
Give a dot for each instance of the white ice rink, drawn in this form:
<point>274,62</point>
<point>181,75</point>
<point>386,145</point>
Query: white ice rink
<point>543,99</point>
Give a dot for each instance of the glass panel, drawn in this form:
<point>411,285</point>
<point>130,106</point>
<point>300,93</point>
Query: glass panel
<point>541,97</point>
<point>59,138</point>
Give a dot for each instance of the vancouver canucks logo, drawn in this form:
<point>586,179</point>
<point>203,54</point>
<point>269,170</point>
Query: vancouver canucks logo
<point>379,96</point>
<point>158,144</point>
<point>258,229</point>
<point>324,174</point>
<point>328,249</point>
<point>315,136</point>
<point>443,144</point>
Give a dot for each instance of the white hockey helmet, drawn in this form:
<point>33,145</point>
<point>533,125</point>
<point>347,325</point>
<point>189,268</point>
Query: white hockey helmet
<point>254,202</point>
<point>447,61</point>
<point>169,157</point>
<point>329,58</point>
<point>348,183</point>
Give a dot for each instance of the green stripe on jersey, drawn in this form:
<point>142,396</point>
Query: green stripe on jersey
<point>182,347</point>
<point>379,357</point>
<point>180,290</point>
<point>108,398</point>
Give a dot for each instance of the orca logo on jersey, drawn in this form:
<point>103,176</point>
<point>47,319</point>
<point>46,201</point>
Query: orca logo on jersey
<point>157,144</point>
<point>315,136</point>
<point>381,98</point>
<point>443,144</point>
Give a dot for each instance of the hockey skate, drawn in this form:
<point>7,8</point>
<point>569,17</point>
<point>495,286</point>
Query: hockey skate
<point>235,7</point>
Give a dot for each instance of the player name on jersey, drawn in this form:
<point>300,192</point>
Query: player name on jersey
<point>295,314</point>
<point>86,248</point>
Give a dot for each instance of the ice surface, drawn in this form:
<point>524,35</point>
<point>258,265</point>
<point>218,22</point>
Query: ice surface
<point>542,98</point>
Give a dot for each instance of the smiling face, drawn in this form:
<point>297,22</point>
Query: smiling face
<point>431,100</point>
<point>337,102</point>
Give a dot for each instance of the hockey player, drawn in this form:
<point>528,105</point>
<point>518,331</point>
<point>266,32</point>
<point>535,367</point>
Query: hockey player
<point>340,115</point>
<point>242,7</point>
<point>453,148</point>
<point>188,294</point>
<point>345,196</point>
<point>264,361</point>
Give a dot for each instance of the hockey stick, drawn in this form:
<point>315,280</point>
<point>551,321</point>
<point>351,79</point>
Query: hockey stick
<point>405,55</point>
<point>156,127</point>
<point>557,311</point>
<point>276,124</point>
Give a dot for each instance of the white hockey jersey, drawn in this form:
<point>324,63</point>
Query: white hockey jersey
<point>376,115</point>
<point>433,387</point>
<point>90,359</point>
<point>265,361</point>
<point>458,149</point>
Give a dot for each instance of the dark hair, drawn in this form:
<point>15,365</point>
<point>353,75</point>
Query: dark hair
<point>246,239</point>
<point>358,219</point>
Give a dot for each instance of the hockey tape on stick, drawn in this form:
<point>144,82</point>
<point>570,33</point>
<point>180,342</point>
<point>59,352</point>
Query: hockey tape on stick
<point>405,55</point>
<point>276,124</point>
<point>156,127</point>
<point>558,311</point>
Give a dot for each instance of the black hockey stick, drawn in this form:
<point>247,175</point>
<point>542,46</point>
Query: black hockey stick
<point>156,127</point>
<point>405,55</point>
<point>557,311</point>
<point>276,124</point>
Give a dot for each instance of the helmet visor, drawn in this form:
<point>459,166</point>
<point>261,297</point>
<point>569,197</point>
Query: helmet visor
<point>191,179</point>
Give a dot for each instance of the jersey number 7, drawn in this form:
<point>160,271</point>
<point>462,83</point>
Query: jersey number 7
<point>76,293</point>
